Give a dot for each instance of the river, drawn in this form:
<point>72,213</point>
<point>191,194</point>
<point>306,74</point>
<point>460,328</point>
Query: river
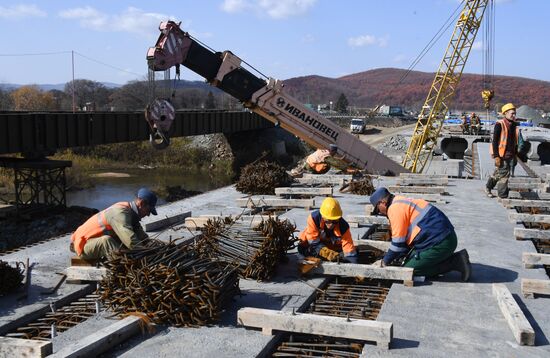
<point>112,189</point>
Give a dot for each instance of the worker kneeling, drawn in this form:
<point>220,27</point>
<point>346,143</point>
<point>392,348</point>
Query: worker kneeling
<point>327,234</point>
<point>110,229</point>
<point>421,233</point>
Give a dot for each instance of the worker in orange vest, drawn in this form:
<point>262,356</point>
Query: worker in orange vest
<point>114,227</point>
<point>504,149</point>
<point>421,234</point>
<point>320,162</point>
<point>327,234</point>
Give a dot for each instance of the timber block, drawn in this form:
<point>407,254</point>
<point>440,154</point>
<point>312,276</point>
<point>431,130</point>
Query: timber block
<point>520,326</point>
<point>77,261</point>
<point>155,223</point>
<point>530,287</point>
<point>85,273</point>
<point>18,347</point>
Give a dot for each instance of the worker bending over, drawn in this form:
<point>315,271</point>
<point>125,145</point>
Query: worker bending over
<point>110,229</point>
<point>506,145</point>
<point>421,233</point>
<point>327,234</point>
<point>320,162</point>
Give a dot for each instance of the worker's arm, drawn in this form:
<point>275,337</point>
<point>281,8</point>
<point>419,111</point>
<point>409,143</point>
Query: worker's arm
<point>121,221</point>
<point>399,228</point>
<point>496,139</point>
<point>312,235</point>
<point>348,248</point>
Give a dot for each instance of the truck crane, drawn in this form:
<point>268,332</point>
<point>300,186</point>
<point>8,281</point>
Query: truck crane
<point>265,96</point>
<point>447,78</point>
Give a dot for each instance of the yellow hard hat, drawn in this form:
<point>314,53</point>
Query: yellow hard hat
<point>330,209</point>
<point>507,107</point>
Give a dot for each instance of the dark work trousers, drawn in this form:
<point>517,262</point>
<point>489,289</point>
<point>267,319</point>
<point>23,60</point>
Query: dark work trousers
<point>500,178</point>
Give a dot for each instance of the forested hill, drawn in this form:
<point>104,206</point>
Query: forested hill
<point>374,87</point>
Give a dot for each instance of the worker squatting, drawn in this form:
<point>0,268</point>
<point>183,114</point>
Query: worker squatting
<point>308,119</point>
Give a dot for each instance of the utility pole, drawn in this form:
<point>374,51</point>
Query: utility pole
<point>72,62</point>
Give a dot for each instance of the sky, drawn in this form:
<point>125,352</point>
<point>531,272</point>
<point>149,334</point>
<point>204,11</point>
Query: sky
<point>280,38</point>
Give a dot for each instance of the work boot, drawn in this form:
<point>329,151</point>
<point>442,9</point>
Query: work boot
<point>489,193</point>
<point>461,263</point>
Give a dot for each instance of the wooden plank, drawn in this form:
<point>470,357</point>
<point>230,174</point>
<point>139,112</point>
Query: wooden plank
<point>520,203</point>
<point>320,180</point>
<point>529,218</point>
<point>304,191</point>
<point>525,186</point>
<point>524,180</point>
<point>377,244</point>
<point>531,286</point>
<point>531,259</point>
<point>523,234</point>
<point>434,198</point>
<point>366,220</point>
<point>18,347</point>
<point>166,221</point>
<point>275,203</point>
<point>420,175</point>
<point>393,273</point>
<point>522,330</point>
<point>417,189</point>
<point>77,261</point>
<point>531,195</point>
<point>333,177</point>
<point>102,340</point>
<point>422,181</point>
<point>360,329</point>
<point>85,273</point>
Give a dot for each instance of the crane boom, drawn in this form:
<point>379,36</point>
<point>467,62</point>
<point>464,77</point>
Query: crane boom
<point>447,78</point>
<point>267,97</point>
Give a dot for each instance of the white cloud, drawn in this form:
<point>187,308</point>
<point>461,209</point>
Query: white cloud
<point>477,45</point>
<point>132,20</point>
<point>276,9</point>
<point>399,58</point>
<point>21,11</point>
<point>368,40</point>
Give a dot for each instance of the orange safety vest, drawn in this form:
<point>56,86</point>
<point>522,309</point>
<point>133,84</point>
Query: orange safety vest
<point>404,215</point>
<point>95,226</point>
<point>316,160</point>
<point>342,236</point>
<point>503,140</point>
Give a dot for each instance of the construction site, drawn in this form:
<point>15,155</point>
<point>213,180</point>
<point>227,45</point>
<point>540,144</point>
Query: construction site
<point>225,273</point>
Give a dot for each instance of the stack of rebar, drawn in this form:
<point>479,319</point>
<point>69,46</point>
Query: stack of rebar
<point>362,186</point>
<point>169,283</point>
<point>256,251</point>
<point>262,178</point>
<point>10,277</point>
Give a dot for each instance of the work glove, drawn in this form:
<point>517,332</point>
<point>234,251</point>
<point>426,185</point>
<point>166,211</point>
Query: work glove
<point>328,254</point>
<point>498,162</point>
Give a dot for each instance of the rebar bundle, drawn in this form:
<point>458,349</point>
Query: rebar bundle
<point>169,283</point>
<point>256,251</point>
<point>11,277</point>
<point>262,178</point>
<point>361,187</point>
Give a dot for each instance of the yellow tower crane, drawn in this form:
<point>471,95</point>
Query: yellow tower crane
<point>437,104</point>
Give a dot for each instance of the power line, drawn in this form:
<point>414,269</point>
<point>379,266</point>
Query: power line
<point>106,64</point>
<point>33,54</point>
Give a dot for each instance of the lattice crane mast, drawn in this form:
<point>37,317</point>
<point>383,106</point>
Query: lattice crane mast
<point>447,78</point>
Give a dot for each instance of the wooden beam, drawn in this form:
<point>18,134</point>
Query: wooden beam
<point>531,259</point>
<point>275,203</point>
<point>393,273</point>
<point>513,203</point>
<point>417,189</point>
<point>102,340</point>
<point>85,273</point>
<point>531,195</point>
<point>522,330</point>
<point>434,198</point>
<point>18,347</point>
<point>524,234</point>
<point>366,220</point>
<point>166,221</point>
<point>377,244</point>
<point>197,222</point>
<point>531,286</point>
<point>525,186</point>
<point>319,180</point>
<point>529,218</point>
<point>269,320</point>
<point>304,191</point>
<point>525,180</point>
<point>420,175</point>
<point>422,181</point>
<point>333,177</point>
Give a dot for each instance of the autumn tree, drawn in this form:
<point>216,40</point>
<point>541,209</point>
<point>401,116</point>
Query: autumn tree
<point>86,91</point>
<point>341,104</point>
<point>32,98</point>
<point>133,96</point>
<point>6,102</point>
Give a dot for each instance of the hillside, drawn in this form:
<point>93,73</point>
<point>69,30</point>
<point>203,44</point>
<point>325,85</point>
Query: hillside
<point>370,88</point>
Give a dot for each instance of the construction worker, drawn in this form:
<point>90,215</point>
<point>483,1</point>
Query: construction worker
<point>421,234</point>
<point>475,124</point>
<point>327,234</point>
<point>320,162</point>
<point>465,125</point>
<point>504,149</point>
<point>114,227</point>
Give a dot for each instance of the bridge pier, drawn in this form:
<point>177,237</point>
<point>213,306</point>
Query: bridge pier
<point>38,181</point>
